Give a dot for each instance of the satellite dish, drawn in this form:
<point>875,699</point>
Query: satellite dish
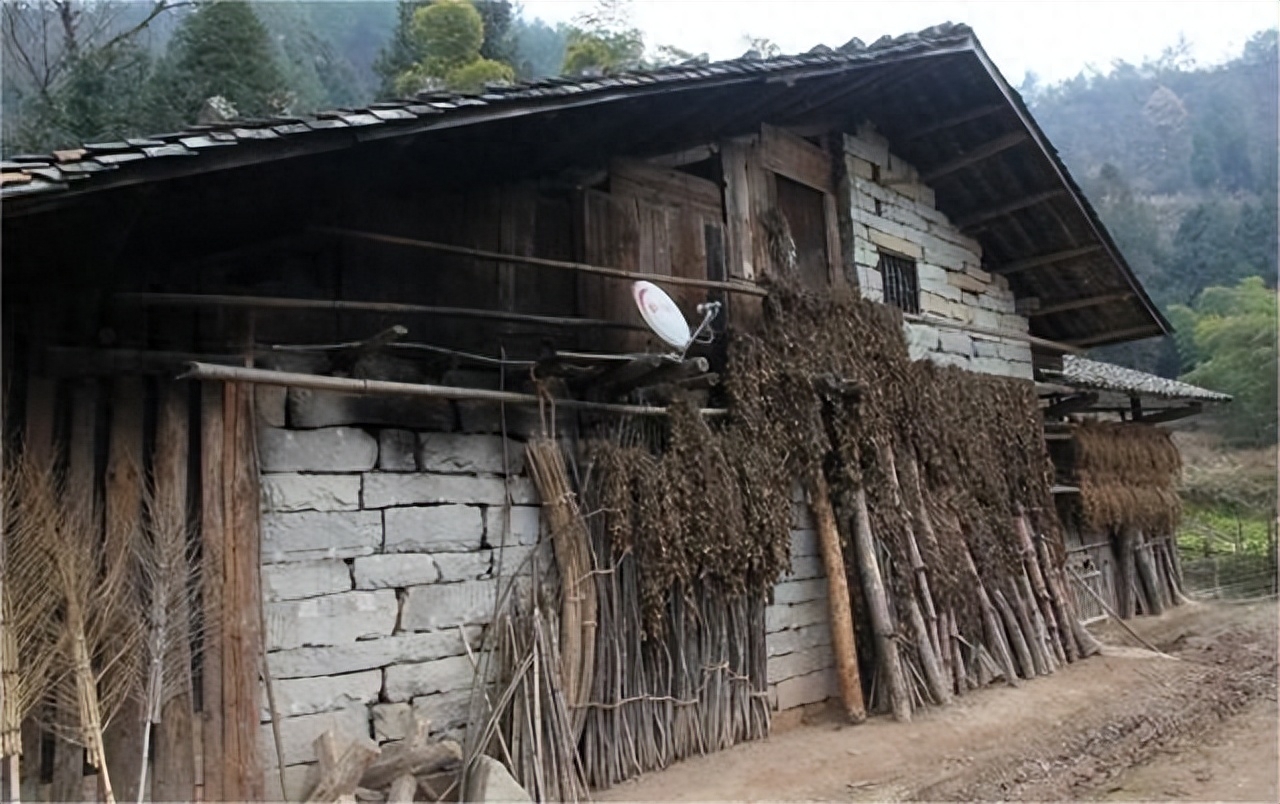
<point>661,314</point>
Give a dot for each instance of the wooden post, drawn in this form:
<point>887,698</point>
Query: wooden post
<point>1042,598</point>
<point>1147,574</point>
<point>241,632</point>
<point>1015,634</point>
<point>123,740</point>
<point>212,535</point>
<point>174,738</point>
<point>878,609</point>
<point>843,642</point>
<point>1128,591</point>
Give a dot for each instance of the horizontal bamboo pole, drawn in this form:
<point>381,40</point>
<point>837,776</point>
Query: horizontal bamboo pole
<point>1021,337</point>
<point>348,306</point>
<point>543,262</point>
<point>290,379</point>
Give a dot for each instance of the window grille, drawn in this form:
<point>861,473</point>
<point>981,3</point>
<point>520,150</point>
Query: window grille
<point>901,282</point>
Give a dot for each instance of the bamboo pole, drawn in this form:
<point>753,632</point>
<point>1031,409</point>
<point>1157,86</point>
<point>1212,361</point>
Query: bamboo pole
<point>289,379</point>
<point>873,588</point>
<point>1063,608</point>
<point>843,642</point>
<point>1050,607</point>
<point>921,520</point>
<point>542,262</point>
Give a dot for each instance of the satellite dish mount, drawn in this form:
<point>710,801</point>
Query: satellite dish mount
<point>663,316</point>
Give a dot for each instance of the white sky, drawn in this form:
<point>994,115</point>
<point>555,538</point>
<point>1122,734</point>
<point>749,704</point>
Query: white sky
<point>1055,39</point>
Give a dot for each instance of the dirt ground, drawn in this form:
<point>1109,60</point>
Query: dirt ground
<point>1196,724</point>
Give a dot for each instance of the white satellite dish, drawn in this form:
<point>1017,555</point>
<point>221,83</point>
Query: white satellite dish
<point>661,314</point>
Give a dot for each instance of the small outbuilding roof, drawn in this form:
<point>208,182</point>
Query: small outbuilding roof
<point>1080,372</point>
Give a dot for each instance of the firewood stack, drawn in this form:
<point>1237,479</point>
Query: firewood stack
<point>414,769</point>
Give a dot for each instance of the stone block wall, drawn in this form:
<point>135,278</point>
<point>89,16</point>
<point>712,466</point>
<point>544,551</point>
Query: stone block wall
<point>890,210</point>
<point>797,629</point>
<point>380,550</point>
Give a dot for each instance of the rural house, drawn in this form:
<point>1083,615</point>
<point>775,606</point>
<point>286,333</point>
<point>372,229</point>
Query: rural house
<point>373,467</point>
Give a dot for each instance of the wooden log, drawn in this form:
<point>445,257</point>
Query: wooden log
<point>402,789</point>
<point>1127,590</point>
<point>213,535</point>
<point>958,671</point>
<point>124,736</point>
<point>944,649</point>
<point>936,681</point>
<point>920,519</point>
<point>997,642</point>
<point>1023,607</point>
<point>843,643</point>
<point>873,588</point>
<point>241,632</point>
<point>1043,600</point>
<point>340,777</point>
<point>1149,583</point>
<point>175,767</point>
<point>416,760</point>
<point>1064,608</point>
<point>1015,634</point>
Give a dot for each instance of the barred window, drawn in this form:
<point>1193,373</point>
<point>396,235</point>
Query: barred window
<point>901,283</point>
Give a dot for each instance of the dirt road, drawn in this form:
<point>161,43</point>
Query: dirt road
<point>1198,724</point>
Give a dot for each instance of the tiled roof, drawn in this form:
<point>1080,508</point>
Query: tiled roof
<point>1081,372</point>
<point>50,173</point>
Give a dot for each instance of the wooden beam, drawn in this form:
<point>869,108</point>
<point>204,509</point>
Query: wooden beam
<point>213,535</point>
<point>955,120</point>
<point>1162,415</point>
<point>1080,304</point>
<point>1117,335</point>
<point>1021,337</point>
<point>974,155</point>
<point>982,216</point>
<point>1071,404</point>
<point>343,305</point>
<point>541,262</point>
<point>1045,259</point>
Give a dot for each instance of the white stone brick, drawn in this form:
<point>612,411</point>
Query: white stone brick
<point>797,639</point>
<point>383,490</point>
<point>394,571</point>
<point>960,312</point>
<point>869,148</point>
<point>406,681</point>
<point>805,567</point>
<point>523,492</point>
<point>331,620</point>
<point>445,605</point>
<point>801,516</point>
<point>298,734</point>
<point>921,339</point>
<point>463,566</point>
<point>933,303</point>
<point>807,689</point>
<point>987,319</point>
<point>392,721</point>
<point>947,359</point>
<point>526,526</point>
<point>294,492</point>
<point>800,663</point>
<point>299,780</point>
<point>332,449</point>
<point>397,451</point>
<point>307,696</point>
<point>956,342</point>
<point>790,592</point>
<point>985,348</point>
<point>355,656</point>
<point>302,579</point>
<point>432,529</point>
<point>268,403</point>
<point>461,453</point>
<point>445,710</point>
<point>780,618</point>
<point>1012,350</point>
<point>804,542</point>
<point>895,242</point>
<point>313,535</point>
<point>856,166</point>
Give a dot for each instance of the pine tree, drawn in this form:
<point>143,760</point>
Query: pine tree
<point>221,49</point>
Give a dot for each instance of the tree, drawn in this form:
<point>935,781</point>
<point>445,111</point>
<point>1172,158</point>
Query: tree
<point>539,48</point>
<point>72,68</point>
<point>400,64</point>
<point>604,40</point>
<point>1232,348</point>
<point>220,49</point>
<point>449,34</point>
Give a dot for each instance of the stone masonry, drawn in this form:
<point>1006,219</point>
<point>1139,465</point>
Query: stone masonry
<point>891,211</point>
<point>379,547</point>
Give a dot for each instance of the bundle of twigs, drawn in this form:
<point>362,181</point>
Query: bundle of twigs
<point>578,604</point>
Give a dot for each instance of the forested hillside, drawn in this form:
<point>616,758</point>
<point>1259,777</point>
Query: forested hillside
<point>1181,164</point>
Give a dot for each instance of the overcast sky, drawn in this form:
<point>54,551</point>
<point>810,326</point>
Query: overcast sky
<point>1055,39</point>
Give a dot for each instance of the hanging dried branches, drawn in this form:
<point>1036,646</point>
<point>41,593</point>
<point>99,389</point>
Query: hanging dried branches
<point>1128,476</point>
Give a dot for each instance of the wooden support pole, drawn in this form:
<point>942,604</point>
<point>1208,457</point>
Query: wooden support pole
<point>1043,598</point>
<point>289,379</point>
<point>1080,304</point>
<point>843,642</point>
<point>542,262</point>
<point>1128,586</point>
<point>878,608</point>
<point>975,155</point>
<point>213,535</point>
<point>1150,583</point>
<point>1018,639</point>
<point>1046,259</point>
<point>175,769</point>
<point>241,618</point>
<point>123,741</point>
